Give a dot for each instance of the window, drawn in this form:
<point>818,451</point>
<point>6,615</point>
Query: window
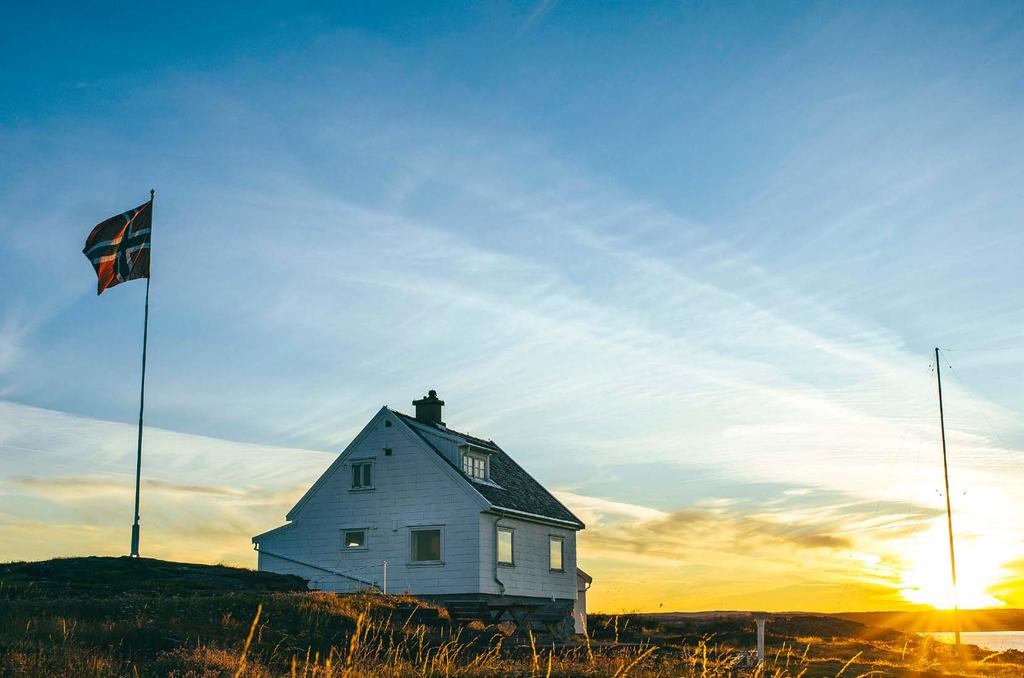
<point>474,465</point>
<point>354,539</point>
<point>387,451</point>
<point>505,546</point>
<point>426,545</point>
<point>556,547</point>
<point>362,478</point>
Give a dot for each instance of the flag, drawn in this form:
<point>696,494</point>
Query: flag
<point>119,247</point>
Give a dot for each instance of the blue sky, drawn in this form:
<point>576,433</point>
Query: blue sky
<point>686,261</point>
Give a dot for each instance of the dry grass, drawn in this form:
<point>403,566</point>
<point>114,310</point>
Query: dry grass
<point>322,635</point>
<point>46,631</point>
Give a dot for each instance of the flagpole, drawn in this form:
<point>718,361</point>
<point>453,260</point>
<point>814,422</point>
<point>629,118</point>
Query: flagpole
<point>142,397</point>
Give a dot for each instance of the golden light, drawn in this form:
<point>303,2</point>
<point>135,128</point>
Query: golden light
<point>980,567</point>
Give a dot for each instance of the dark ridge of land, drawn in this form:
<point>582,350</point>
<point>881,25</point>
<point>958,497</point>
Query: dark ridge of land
<point>909,621</point>
<point>737,628</point>
<point>144,617</point>
<point>96,574</point>
<point>922,621</point>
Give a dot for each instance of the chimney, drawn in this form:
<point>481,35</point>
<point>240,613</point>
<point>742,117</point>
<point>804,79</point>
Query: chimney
<point>428,410</point>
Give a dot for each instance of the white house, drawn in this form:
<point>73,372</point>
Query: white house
<point>412,506</point>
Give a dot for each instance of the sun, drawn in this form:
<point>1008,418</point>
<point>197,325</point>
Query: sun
<point>926,577</point>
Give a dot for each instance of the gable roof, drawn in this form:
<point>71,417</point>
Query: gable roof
<point>513,490</point>
<point>382,413</point>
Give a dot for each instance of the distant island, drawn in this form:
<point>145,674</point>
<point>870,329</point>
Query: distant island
<point>934,621</point>
<point>908,621</point>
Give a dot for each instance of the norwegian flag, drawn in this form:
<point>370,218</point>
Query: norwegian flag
<point>119,247</point>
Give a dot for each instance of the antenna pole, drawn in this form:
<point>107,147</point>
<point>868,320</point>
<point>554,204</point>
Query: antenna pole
<point>949,510</point>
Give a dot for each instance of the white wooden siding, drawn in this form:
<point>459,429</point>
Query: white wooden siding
<point>530,575</point>
<point>411,489</point>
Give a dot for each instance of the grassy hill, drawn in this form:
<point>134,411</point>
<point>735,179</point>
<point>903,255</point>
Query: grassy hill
<point>123,617</point>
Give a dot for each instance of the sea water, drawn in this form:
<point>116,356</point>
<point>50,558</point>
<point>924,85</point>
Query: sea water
<point>990,640</point>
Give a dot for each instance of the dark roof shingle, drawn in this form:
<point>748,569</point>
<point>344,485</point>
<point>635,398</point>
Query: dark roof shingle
<point>516,491</point>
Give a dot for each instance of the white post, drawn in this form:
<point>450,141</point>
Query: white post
<point>385,577</point>
<point>760,619</point>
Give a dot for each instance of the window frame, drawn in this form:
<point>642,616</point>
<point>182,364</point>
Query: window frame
<point>412,545</point>
<point>344,539</point>
<point>362,464</point>
<point>473,456</point>
<point>511,562</point>
<point>552,538</point>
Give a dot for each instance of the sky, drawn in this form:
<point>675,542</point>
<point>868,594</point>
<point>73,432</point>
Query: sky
<point>686,262</point>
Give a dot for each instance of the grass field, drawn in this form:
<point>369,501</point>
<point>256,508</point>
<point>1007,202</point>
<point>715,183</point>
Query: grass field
<point>122,617</point>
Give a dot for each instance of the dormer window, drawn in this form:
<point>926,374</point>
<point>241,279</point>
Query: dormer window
<point>475,465</point>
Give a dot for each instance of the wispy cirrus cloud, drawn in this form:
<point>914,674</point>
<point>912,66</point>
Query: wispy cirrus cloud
<point>86,508</point>
<point>16,328</point>
<point>536,15</point>
<point>697,306</point>
<point>76,486</point>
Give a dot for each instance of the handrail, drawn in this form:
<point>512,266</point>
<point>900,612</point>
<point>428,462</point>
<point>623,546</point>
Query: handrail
<point>318,567</point>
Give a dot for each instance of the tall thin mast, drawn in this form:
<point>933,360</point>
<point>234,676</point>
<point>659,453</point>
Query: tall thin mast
<point>949,511</point>
<point>142,397</point>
